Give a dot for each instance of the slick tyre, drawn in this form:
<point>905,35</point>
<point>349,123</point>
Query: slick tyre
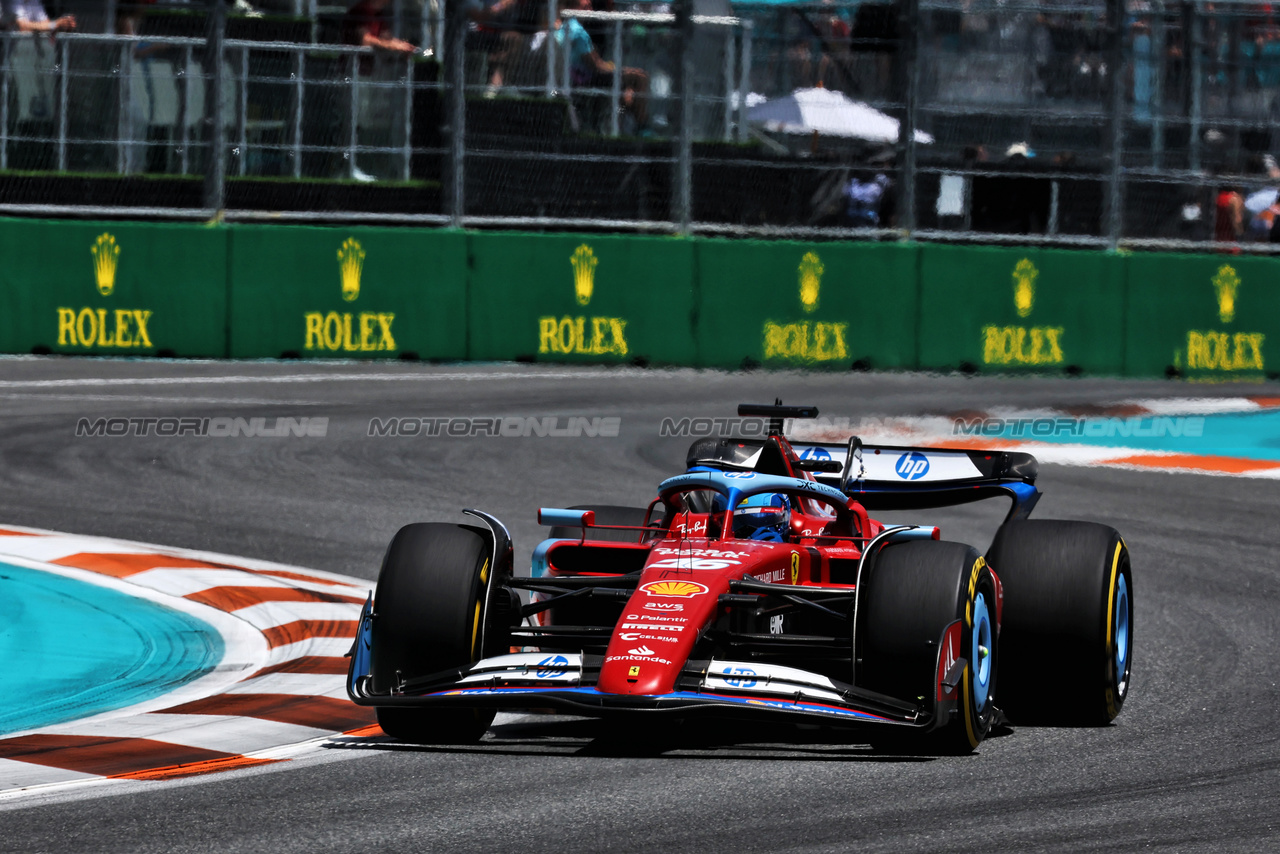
<point>606,514</point>
<point>427,610</point>
<point>911,592</point>
<point>1067,634</point>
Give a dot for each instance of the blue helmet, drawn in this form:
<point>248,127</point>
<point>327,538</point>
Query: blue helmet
<point>765,517</point>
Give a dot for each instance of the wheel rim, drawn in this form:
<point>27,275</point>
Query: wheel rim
<point>1121,633</point>
<point>981,646</point>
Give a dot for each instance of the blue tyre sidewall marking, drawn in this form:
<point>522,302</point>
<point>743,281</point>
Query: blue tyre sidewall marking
<point>981,665</point>
<point>1122,632</point>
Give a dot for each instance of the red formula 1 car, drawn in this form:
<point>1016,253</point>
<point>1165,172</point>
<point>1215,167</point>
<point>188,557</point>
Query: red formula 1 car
<point>756,584</point>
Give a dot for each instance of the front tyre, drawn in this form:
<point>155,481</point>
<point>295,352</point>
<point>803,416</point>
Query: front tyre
<point>911,592</point>
<point>1068,621</point>
<point>427,612</point>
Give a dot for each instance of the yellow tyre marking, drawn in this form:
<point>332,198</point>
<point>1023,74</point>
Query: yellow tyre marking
<point>475,624</point>
<point>475,629</point>
<point>1111,627</point>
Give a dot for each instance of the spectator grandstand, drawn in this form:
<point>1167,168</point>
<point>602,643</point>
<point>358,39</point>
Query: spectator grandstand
<point>1124,122</point>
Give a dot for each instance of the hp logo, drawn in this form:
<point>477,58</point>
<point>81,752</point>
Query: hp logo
<point>912,466</point>
<point>815,454</point>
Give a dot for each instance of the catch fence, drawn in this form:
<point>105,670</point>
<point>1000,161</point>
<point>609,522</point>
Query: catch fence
<point>1139,124</point>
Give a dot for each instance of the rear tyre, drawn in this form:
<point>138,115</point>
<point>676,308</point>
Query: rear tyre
<point>606,514</point>
<point>1068,621</point>
<point>427,611</point>
<point>910,593</point>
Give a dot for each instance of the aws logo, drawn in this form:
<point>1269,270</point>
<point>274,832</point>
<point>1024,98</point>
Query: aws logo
<point>98,327</point>
<point>584,336</point>
<point>1219,350</point>
<point>349,332</point>
<point>1023,345</point>
<point>807,341</point>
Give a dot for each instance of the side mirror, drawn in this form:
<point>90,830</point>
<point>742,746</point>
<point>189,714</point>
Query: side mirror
<point>566,518</point>
<point>851,473</point>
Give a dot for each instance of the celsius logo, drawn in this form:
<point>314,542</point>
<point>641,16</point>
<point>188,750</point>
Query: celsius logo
<point>552,666</point>
<point>815,454</point>
<point>912,466</point>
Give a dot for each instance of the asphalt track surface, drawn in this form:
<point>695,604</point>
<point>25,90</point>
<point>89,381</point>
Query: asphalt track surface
<point>1193,763</point>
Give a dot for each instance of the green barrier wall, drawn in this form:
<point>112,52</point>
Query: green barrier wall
<point>1203,316</point>
<point>251,291</point>
<point>347,292</point>
<point>1021,309</point>
<point>588,298</point>
<point>116,289</point>
<point>814,305</point>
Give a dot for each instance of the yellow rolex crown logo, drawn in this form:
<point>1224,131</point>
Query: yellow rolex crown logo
<point>105,256</point>
<point>584,273</point>
<point>1226,283</point>
<point>350,264</point>
<point>811,270</point>
<point>1024,286</point>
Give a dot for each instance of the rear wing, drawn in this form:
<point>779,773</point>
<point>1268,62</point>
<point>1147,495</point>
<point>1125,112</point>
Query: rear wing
<point>894,477</point>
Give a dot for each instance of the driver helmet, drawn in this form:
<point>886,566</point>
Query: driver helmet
<point>765,517</point>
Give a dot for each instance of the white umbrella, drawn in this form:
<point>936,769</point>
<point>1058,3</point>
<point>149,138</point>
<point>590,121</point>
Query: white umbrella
<point>830,114</point>
<point>1261,200</point>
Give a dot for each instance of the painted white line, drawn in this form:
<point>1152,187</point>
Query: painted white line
<point>301,684</point>
<point>269,614</point>
<point>20,775</point>
<point>459,376</point>
<point>225,733</point>
<point>181,582</point>
<point>325,647</point>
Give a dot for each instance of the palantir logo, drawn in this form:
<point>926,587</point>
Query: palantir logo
<point>912,466</point>
<point>552,666</point>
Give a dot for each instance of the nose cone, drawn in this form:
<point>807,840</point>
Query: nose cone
<point>658,630</point>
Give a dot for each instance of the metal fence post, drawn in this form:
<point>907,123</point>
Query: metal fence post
<point>183,110</point>
<point>64,55</point>
<point>1115,76</point>
<point>744,80</point>
<point>909,28</point>
<point>410,67</point>
<point>682,195</point>
<point>1197,77</point>
<point>551,48</point>
<point>730,67</point>
<point>300,66</point>
<point>5,40</point>
<point>216,169</point>
<point>616,84</point>
<point>242,113</point>
<point>124,116</point>
<point>353,127</point>
<point>455,84</point>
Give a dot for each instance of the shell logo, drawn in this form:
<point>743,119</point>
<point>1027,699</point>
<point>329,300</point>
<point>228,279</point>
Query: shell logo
<point>674,588</point>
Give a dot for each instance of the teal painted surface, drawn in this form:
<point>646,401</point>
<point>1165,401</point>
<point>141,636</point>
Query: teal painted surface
<point>1250,435</point>
<point>70,649</point>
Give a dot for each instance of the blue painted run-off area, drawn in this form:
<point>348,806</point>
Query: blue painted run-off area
<point>1251,435</point>
<point>70,649</point>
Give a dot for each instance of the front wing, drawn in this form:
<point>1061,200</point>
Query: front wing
<point>565,682</point>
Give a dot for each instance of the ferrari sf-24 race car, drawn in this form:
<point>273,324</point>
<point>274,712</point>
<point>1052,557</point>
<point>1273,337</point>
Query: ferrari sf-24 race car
<point>756,584</point>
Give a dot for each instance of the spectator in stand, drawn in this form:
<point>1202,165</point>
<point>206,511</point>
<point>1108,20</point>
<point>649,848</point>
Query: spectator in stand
<point>1228,222</point>
<point>493,27</point>
<point>29,16</point>
<point>368,24</point>
<point>587,69</point>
